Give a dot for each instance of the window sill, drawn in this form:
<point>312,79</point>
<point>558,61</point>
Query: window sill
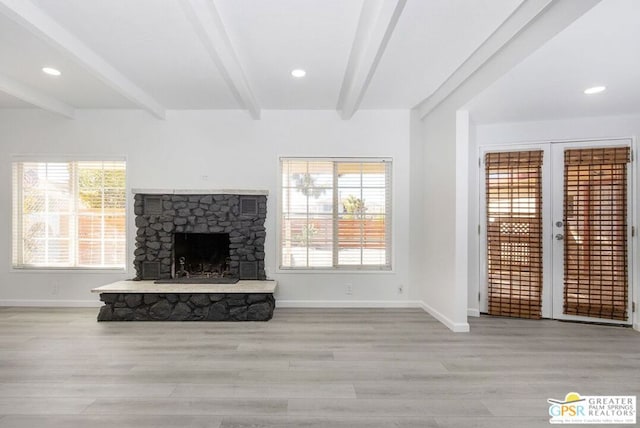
<point>45,270</point>
<point>334,271</point>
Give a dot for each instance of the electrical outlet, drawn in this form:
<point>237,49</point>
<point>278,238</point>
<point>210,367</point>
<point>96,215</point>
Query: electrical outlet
<point>400,289</point>
<point>204,177</point>
<point>348,288</point>
<point>55,289</point>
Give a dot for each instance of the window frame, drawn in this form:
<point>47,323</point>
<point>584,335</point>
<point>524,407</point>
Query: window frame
<point>337,268</point>
<point>25,268</point>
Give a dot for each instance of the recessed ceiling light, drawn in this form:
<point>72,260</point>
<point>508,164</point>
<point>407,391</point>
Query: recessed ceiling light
<point>51,71</point>
<point>595,90</point>
<point>298,72</point>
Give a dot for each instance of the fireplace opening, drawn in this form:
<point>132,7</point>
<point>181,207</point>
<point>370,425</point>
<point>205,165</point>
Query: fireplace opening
<point>201,255</point>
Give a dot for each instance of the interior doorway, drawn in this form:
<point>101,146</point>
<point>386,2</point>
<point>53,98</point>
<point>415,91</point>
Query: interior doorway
<point>556,231</point>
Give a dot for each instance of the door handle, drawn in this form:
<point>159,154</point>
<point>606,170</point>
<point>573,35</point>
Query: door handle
<point>559,236</point>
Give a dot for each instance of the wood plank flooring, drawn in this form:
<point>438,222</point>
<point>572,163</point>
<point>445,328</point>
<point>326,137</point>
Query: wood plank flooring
<point>307,368</point>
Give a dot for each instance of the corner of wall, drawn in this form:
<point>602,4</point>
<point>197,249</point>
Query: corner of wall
<point>444,220</point>
<point>416,205</point>
<point>473,251</point>
<point>456,327</point>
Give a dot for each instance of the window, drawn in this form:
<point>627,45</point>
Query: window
<point>69,214</point>
<point>336,214</point>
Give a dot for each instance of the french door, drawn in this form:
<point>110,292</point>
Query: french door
<point>556,241</point>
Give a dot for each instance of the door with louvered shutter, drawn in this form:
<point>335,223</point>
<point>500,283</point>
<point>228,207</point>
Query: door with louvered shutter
<point>514,210</point>
<point>592,232</point>
<point>556,231</point>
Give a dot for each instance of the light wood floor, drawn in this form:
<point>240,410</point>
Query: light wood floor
<point>307,368</point>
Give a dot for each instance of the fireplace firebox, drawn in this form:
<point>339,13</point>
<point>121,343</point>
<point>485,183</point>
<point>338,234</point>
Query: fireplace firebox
<point>201,255</point>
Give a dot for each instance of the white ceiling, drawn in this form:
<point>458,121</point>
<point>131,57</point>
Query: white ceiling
<point>157,50</point>
<point>23,57</point>
<point>7,101</point>
<point>370,54</point>
<point>431,40</point>
<point>601,48</point>
<point>315,35</point>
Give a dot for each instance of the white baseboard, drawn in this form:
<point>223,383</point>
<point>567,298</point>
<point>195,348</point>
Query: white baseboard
<point>456,327</point>
<point>346,304</point>
<point>52,303</point>
<point>473,312</point>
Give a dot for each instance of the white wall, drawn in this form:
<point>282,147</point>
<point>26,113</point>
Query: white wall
<point>234,151</point>
<point>473,259</point>
<point>444,288</point>
<point>556,130</point>
<point>417,275</point>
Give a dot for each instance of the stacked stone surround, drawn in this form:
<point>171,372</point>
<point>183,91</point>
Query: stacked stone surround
<point>186,307</point>
<point>199,213</point>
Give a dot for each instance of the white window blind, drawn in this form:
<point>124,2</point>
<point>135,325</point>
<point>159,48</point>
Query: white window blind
<point>69,214</point>
<point>336,214</point>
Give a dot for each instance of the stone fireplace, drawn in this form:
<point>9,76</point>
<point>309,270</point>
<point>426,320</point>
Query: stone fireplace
<point>200,234</point>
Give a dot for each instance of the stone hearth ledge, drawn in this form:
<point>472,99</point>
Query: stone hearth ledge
<point>241,287</point>
<point>147,301</point>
